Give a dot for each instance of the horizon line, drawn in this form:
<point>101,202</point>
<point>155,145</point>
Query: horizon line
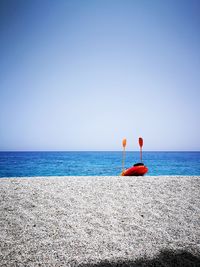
<point>1,151</point>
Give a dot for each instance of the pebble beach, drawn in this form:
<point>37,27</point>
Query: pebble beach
<point>100,221</point>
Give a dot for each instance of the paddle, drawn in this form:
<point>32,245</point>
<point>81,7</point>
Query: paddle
<point>123,156</point>
<point>141,144</point>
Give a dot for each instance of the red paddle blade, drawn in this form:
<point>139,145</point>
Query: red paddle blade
<point>140,141</point>
<point>124,142</point>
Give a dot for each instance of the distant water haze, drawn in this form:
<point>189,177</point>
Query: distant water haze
<point>83,75</point>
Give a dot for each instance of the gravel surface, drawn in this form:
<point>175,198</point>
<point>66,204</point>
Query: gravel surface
<point>72,221</point>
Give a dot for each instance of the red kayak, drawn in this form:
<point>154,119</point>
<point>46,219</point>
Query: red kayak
<point>138,169</point>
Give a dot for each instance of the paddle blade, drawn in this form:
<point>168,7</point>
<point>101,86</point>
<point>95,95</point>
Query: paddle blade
<point>140,141</point>
<point>124,142</point>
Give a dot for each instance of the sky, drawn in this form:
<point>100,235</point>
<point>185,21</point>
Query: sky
<point>83,75</point>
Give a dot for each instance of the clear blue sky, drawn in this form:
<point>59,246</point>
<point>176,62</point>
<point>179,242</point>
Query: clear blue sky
<point>82,75</point>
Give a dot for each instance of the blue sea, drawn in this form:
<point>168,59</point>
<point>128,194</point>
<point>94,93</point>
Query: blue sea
<point>20,164</point>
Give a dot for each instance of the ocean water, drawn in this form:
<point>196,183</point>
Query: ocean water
<point>20,164</point>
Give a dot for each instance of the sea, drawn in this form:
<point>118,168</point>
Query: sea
<point>31,164</point>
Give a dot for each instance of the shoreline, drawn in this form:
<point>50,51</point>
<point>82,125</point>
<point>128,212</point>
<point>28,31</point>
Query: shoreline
<point>97,176</point>
<point>75,220</point>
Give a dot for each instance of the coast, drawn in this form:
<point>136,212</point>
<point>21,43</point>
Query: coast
<point>100,221</point>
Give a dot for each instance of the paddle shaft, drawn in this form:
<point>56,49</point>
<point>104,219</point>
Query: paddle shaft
<point>123,158</point>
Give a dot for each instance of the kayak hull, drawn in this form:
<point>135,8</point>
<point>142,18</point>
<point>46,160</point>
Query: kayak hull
<point>135,171</point>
